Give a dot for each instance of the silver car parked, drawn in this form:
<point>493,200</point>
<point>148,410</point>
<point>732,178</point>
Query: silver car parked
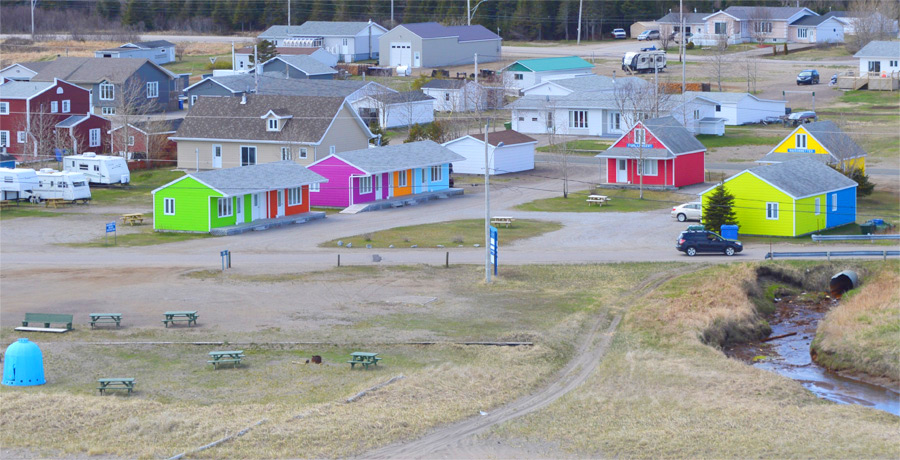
<point>688,211</point>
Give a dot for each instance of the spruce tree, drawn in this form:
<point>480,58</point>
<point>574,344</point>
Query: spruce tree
<point>718,209</point>
<point>109,9</point>
<point>266,50</point>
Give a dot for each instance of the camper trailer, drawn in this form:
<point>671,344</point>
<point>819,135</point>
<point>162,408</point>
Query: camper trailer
<point>644,61</point>
<point>99,169</point>
<point>17,184</point>
<point>65,185</point>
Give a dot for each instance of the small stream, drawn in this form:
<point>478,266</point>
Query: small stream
<point>790,357</point>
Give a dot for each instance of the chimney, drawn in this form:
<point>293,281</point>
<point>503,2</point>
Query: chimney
<point>243,98</point>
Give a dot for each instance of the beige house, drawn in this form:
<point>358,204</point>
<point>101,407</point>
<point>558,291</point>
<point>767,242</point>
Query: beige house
<point>742,24</point>
<point>224,132</point>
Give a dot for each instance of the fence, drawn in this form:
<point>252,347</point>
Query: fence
<point>869,237</point>
<point>830,254</point>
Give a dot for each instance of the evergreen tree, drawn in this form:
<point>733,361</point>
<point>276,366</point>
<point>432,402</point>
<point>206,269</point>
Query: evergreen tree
<point>864,186</point>
<point>133,14</point>
<point>221,13</point>
<point>109,9</point>
<point>266,50</point>
<point>718,210</point>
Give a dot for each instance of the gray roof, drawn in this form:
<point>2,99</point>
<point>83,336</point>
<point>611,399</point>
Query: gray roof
<point>398,157</point>
<point>23,89</point>
<point>269,84</point>
<point>306,64</point>
<point>316,28</point>
<point>34,66</point>
<point>92,70</point>
<point>400,98</point>
<point>879,49</point>
<point>803,177</point>
<point>71,121</point>
<point>152,44</point>
<point>689,18</point>
<point>163,126</point>
<point>810,20</point>
<point>226,118</point>
<point>462,33</point>
<point>266,176</point>
<point>445,84</point>
<point>774,157</point>
<point>597,82</point>
<point>673,134</point>
<point>626,152</point>
<point>841,146</point>
<point>775,13</point>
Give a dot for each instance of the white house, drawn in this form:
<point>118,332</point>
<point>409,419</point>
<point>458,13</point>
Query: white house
<point>22,71</point>
<point>158,51</point>
<point>879,57</point>
<point>742,108</point>
<point>351,41</point>
<point>526,73</point>
<point>242,56</point>
<point>516,154</point>
<point>816,29</point>
<point>456,95</point>
<point>393,109</point>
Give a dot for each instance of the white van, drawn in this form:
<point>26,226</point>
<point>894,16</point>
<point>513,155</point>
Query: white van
<point>69,186</point>
<point>17,184</point>
<point>99,169</point>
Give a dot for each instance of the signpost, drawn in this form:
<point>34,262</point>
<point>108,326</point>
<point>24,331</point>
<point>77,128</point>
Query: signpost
<point>111,227</point>
<point>495,247</point>
<point>212,60</point>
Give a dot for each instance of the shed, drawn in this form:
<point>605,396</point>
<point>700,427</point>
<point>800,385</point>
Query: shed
<point>515,154</point>
<point>641,26</point>
<point>157,51</point>
<point>393,110</point>
<point>298,66</point>
<point>823,138</point>
<point>429,44</point>
<point>712,125</point>
<point>456,95</point>
<point>742,108</point>
<point>23,364</point>
<point>526,73</point>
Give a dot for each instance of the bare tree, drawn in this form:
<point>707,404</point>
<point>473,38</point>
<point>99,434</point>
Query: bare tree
<point>720,59</point>
<point>41,135</point>
<point>156,143</point>
<point>872,20</point>
<point>760,24</point>
<point>636,102</point>
<point>749,67</point>
<point>666,34</point>
<point>132,105</point>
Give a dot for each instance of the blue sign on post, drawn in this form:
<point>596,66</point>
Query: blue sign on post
<point>110,227</point>
<point>495,248</point>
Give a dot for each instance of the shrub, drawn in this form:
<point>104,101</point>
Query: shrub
<point>367,236</point>
<point>458,239</point>
<point>689,45</point>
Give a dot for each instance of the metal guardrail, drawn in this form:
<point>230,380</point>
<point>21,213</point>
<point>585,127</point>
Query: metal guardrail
<point>830,254</point>
<point>854,237</point>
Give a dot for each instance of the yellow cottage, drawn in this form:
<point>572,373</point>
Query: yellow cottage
<point>819,138</point>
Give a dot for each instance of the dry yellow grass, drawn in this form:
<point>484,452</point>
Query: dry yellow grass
<point>48,50</point>
<point>863,332</point>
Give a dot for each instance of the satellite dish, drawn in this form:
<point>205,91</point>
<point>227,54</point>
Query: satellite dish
<point>212,60</point>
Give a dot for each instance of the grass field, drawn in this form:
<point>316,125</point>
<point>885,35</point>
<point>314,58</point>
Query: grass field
<point>198,64</point>
<point>143,237</point>
<point>586,147</point>
<point>814,54</point>
<point>449,234</point>
<point>138,191</point>
<point>621,201</point>
<point>26,210</point>
<point>867,99</point>
<point>737,138</point>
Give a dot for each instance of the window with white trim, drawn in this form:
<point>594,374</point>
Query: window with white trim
<point>818,206</point>
<point>640,136</point>
<point>193,99</point>
<point>365,185</point>
<point>331,150</point>
<point>578,119</point>
<point>4,138</point>
<point>302,152</point>
<point>648,167</point>
<point>763,27</point>
<point>402,178</point>
<point>131,141</point>
<point>94,137</point>
<point>801,141</point>
<point>107,92</point>
<point>248,155</point>
<point>67,106</point>
<point>286,154</point>
<point>436,173</point>
<point>54,106</point>
<point>152,89</point>
<point>314,187</point>
<point>894,63</point>
<point>295,196</point>
<point>802,32</point>
<point>721,28</point>
<point>225,207</point>
<point>169,206</point>
<point>834,202</point>
<point>272,124</point>
<point>696,114</point>
<point>772,211</point>
<point>21,136</point>
<point>518,76</point>
<point>4,108</point>
<point>107,110</point>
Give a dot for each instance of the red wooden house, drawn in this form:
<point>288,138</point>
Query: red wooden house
<point>31,110</point>
<point>661,150</point>
<point>146,141</point>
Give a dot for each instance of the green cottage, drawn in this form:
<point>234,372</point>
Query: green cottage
<point>220,200</point>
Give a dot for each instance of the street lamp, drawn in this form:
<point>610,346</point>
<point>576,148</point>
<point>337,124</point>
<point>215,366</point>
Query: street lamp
<point>471,11</point>
<point>487,209</point>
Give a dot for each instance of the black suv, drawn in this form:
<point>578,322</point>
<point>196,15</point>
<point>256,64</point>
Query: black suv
<point>691,242</point>
<point>808,77</point>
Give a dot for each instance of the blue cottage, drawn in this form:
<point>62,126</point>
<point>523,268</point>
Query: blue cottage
<point>23,364</point>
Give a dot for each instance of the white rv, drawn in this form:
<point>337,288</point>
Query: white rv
<point>99,169</point>
<point>644,61</point>
<point>69,186</point>
<point>17,184</point>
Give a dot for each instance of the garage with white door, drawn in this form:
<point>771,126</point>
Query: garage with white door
<point>401,54</point>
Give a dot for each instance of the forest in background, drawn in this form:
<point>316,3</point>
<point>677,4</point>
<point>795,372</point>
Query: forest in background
<point>515,19</point>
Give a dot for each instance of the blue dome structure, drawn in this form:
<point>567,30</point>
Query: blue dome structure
<point>23,364</point>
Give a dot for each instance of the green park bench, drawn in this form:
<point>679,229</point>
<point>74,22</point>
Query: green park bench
<point>116,383</point>
<point>105,318</point>
<point>47,319</point>
<point>173,316</point>
<point>364,359</point>
<point>221,357</point>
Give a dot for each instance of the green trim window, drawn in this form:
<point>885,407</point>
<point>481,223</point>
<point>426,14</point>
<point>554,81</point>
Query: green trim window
<point>225,207</point>
<point>169,206</point>
<point>772,211</point>
<point>295,196</point>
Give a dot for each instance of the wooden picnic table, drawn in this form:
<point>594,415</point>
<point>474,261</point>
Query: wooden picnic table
<point>173,316</point>
<point>599,200</point>
<point>116,383</point>
<point>133,218</point>
<point>98,318</point>
<point>502,220</point>
<point>55,202</point>
<point>221,357</point>
<point>363,358</point>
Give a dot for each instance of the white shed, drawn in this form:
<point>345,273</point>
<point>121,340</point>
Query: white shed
<point>456,95</point>
<point>742,108</point>
<point>712,125</point>
<point>516,154</point>
<point>526,73</point>
<point>394,110</point>
<point>879,57</point>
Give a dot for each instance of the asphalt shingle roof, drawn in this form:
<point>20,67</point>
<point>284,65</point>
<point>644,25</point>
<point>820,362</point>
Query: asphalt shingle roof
<point>810,20</point>
<point>803,177</point>
<point>23,89</point>
<point>169,126</point>
<point>227,118</point>
<point>290,86</point>
<point>463,33</point>
<point>507,136</point>
<point>307,64</point>
<point>316,28</point>
<point>398,157</point>
<point>555,63</point>
<point>879,49</point>
<point>774,13</point>
<point>249,179</point>
<point>154,44</point>
<point>673,134</point>
<point>775,157</point>
<point>689,18</point>
<point>71,121</point>
<point>841,146</point>
<point>618,152</point>
<point>400,98</point>
<point>90,69</point>
<point>444,84</point>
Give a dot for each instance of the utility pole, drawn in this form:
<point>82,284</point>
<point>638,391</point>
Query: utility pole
<point>580,4</point>
<point>289,13</point>
<point>392,12</point>
<point>487,212</point>
<point>681,49</point>
<point>476,67</point>
<point>232,57</point>
<point>468,12</point>
<point>33,2</point>
<point>257,69</point>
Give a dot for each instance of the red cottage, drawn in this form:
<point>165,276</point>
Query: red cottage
<point>30,111</point>
<point>147,140</point>
<point>660,149</point>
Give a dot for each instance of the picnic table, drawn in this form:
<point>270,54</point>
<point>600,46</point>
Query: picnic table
<point>173,316</point>
<point>56,202</point>
<point>98,318</point>
<point>221,357</point>
<point>133,218</point>
<point>363,358</point>
<point>116,383</point>
<point>599,200</point>
<point>502,220</point>
<point>4,204</point>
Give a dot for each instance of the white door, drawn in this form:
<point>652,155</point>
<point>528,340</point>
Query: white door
<point>378,192</point>
<point>280,203</point>
<point>255,208</point>
<point>615,122</point>
<point>239,209</point>
<point>401,53</point>
<point>217,156</point>
<point>621,170</point>
<point>416,61</point>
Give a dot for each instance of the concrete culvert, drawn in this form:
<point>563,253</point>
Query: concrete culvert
<point>843,282</point>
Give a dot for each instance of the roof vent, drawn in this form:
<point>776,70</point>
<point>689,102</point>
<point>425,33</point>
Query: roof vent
<point>23,364</point>
<point>48,170</point>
